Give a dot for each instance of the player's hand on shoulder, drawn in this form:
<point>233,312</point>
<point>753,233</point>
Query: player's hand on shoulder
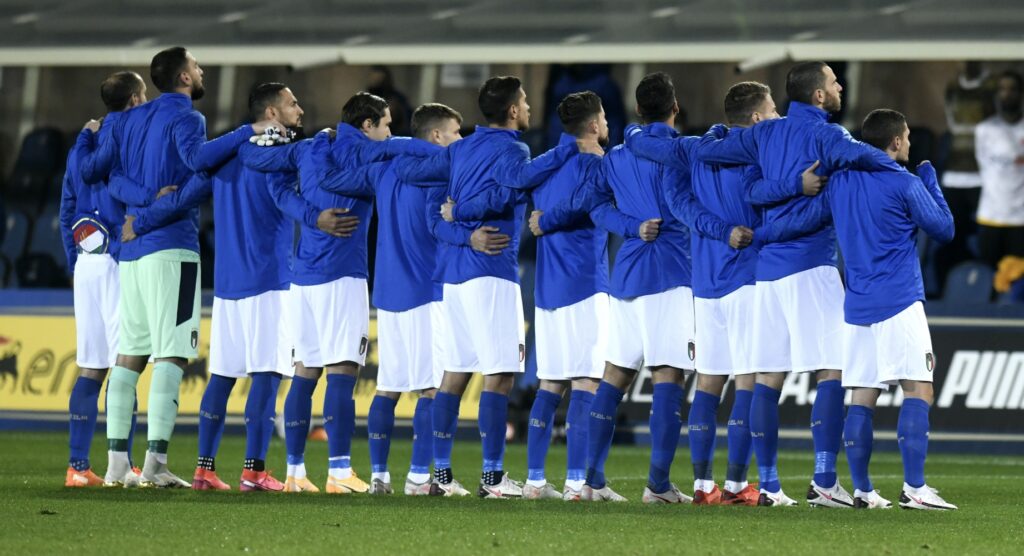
<point>92,125</point>
<point>535,223</point>
<point>650,229</point>
<point>740,237</point>
<point>488,240</point>
<point>259,127</point>
<point>334,221</point>
<point>813,182</point>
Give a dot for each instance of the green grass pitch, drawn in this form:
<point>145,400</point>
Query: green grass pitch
<point>39,516</point>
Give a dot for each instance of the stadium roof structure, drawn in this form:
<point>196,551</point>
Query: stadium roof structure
<point>306,33</point>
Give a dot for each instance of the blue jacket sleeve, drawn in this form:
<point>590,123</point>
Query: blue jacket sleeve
<point>513,167</point>
<point>357,181</point>
<point>808,216</point>
<point>838,150</point>
<point>397,146</point>
<point>173,206</point>
<point>129,192</point>
<point>685,207</point>
<point>99,153</point>
<point>927,206</point>
<point>67,218</point>
<point>447,232</point>
<point>761,191</point>
<point>290,202</point>
<point>435,168</point>
<point>600,201</point>
<point>487,204</point>
<point>738,146</point>
<point>674,152</point>
<point>280,158</point>
<point>188,132</point>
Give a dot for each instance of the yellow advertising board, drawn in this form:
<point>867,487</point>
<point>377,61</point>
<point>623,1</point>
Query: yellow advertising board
<point>38,371</point>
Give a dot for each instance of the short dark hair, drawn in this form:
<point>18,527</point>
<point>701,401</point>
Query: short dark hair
<point>655,97</point>
<point>117,89</point>
<point>1010,74</point>
<point>429,116</point>
<point>497,95</point>
<point>363,106</point>
<point>743,99</point>
<point>881,126</point>
<point>577,109</point>
<point>263,95</point>
<point>803,79</point>
<point>166,66</point>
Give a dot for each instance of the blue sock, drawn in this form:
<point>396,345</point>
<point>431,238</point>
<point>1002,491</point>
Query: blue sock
<point>298,410</point>
<point>339,419</point>
<point>764,435</point>
<point>538,435</point>
<point>380,423</point>
<point>422,437</point>
<point>83,408</point>
<point>912,434</point>
<point>577,421</point>
<point>827,431</point>
<point>131,432</point>
<point>269,414</point>
<point>860,436</point>
<point>255,409</point>
<point>444,417</point>
<point>492,420</point>
<point>601,430</point>
<point>666,422</point>
<point>212,410</point>
<point>702,429</point>
<point>739,437</point>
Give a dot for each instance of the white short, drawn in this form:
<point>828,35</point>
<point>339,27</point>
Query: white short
<point>97,296</point>
<point>884,353</point>
<point>407,349</point>
<point>652,330</point>
<point>486,330</point>
<point>249,335</point>
<point>571,340</point>
<point>723,332</point>
<point>330,322</point>
<point>798,322</point>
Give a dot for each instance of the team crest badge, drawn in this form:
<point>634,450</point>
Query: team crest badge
<point>929,362</point>
<point>362,345</point>
<point>195,339</point>
<point>522,352</point>
<point>691,350</point>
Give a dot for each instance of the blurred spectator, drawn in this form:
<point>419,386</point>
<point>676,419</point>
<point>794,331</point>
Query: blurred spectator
<point>563,80</point>
<point>999,148</point>
<point>969,101</point>
<point>382,84</point>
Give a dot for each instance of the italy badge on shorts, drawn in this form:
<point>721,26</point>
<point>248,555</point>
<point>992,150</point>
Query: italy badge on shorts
<point>90,235</point>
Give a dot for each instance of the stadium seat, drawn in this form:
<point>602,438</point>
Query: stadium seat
<point>16,236</point>
<point>969,282</point>
<point>41,156</point>
<point>46,236</point>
